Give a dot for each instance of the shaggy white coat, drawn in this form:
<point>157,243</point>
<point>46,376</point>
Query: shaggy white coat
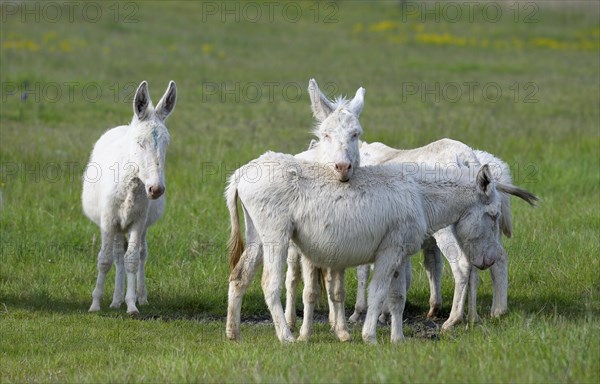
<point>380,216</point>
<point>442,155</point>
<point>123,193</point>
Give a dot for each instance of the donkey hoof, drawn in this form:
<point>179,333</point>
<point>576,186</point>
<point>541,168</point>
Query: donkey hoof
<point>233,336</point>
<point>448,325</point>
<point>354,318</point>
<point>397,339</point>
<point>132,310</point>
<point>303,338</point>
<point>368,339</point>
<point>94,308</point>
<point>116,304</point>
<point>288,339</point>
<point>497,312</point>
<point>434,312</point>
<point>143,301</point>
<point>344,337</point>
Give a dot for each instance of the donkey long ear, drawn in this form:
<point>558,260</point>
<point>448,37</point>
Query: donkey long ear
<point>484,179</point>
<point>356,105</point>
<point>167,103</point>
<point>519,192</point>
<point>141,101</point>
<point>319,103</point>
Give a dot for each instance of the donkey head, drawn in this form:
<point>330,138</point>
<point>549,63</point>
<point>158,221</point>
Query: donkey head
<point>149,138</point>
<point>478,229</point>
<point>338,130</point>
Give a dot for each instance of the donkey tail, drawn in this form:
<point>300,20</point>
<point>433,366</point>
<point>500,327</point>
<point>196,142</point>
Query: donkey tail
<point>235,245</point>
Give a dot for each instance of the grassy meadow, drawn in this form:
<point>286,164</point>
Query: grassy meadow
<point>517,79</point>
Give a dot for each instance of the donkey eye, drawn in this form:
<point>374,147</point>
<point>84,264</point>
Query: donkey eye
<point>142,145</point>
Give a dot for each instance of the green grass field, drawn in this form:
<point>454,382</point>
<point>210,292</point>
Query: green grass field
<point>522,83</point>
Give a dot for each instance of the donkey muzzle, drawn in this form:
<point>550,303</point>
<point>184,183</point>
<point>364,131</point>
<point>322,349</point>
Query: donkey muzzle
<point>344,171</point>
<point>489,257</point>
<point>155,191</point>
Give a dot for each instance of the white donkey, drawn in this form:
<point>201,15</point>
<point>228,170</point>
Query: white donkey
<point>338,131</point>
<point>379,216</point>
<point>445,155</point>
<point>123,193</point>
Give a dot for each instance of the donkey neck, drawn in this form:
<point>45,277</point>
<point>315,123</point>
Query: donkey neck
<point>445,203</point>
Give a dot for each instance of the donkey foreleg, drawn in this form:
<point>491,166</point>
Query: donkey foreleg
<point>142,293</point>
<point>362,275</point>
<point>472,315</point>
<point>310,294</point>
<point>461,269</point>
<point>499,273</point>
<point>120,246</point>
<point>132,266</point>
<point>334,284</point>
<point>386,263</point>
<point>105,260</point>
<point>397,300</point>
<point>434,266</point>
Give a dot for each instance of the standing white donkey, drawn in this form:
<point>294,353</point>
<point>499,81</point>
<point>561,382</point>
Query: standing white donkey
<point>123,193</point>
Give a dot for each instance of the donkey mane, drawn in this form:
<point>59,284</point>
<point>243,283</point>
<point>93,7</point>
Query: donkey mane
<point>339,104</point>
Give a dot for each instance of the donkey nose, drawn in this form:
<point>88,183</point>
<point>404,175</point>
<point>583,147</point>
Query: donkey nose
<point>156,191</point>
<point>343,169</point>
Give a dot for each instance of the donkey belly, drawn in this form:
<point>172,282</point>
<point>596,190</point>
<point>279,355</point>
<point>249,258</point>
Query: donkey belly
<point>335,247</point>
<point>90,198</point>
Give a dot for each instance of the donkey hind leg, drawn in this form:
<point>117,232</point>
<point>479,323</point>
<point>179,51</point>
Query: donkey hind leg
<point>239,280</point>
<point>433,266</point>
<point>275,252</point>
<point>472,315</point>
<point>310,295</point>
<point>292,280</point>
<point>105,260</point>
<point>499,273</point>
<point>386,262</point>
<point>119,248</point>
<point>397,300</point>
<point>334,283</point>
<point>142,293</point>
<point>362,275</point>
